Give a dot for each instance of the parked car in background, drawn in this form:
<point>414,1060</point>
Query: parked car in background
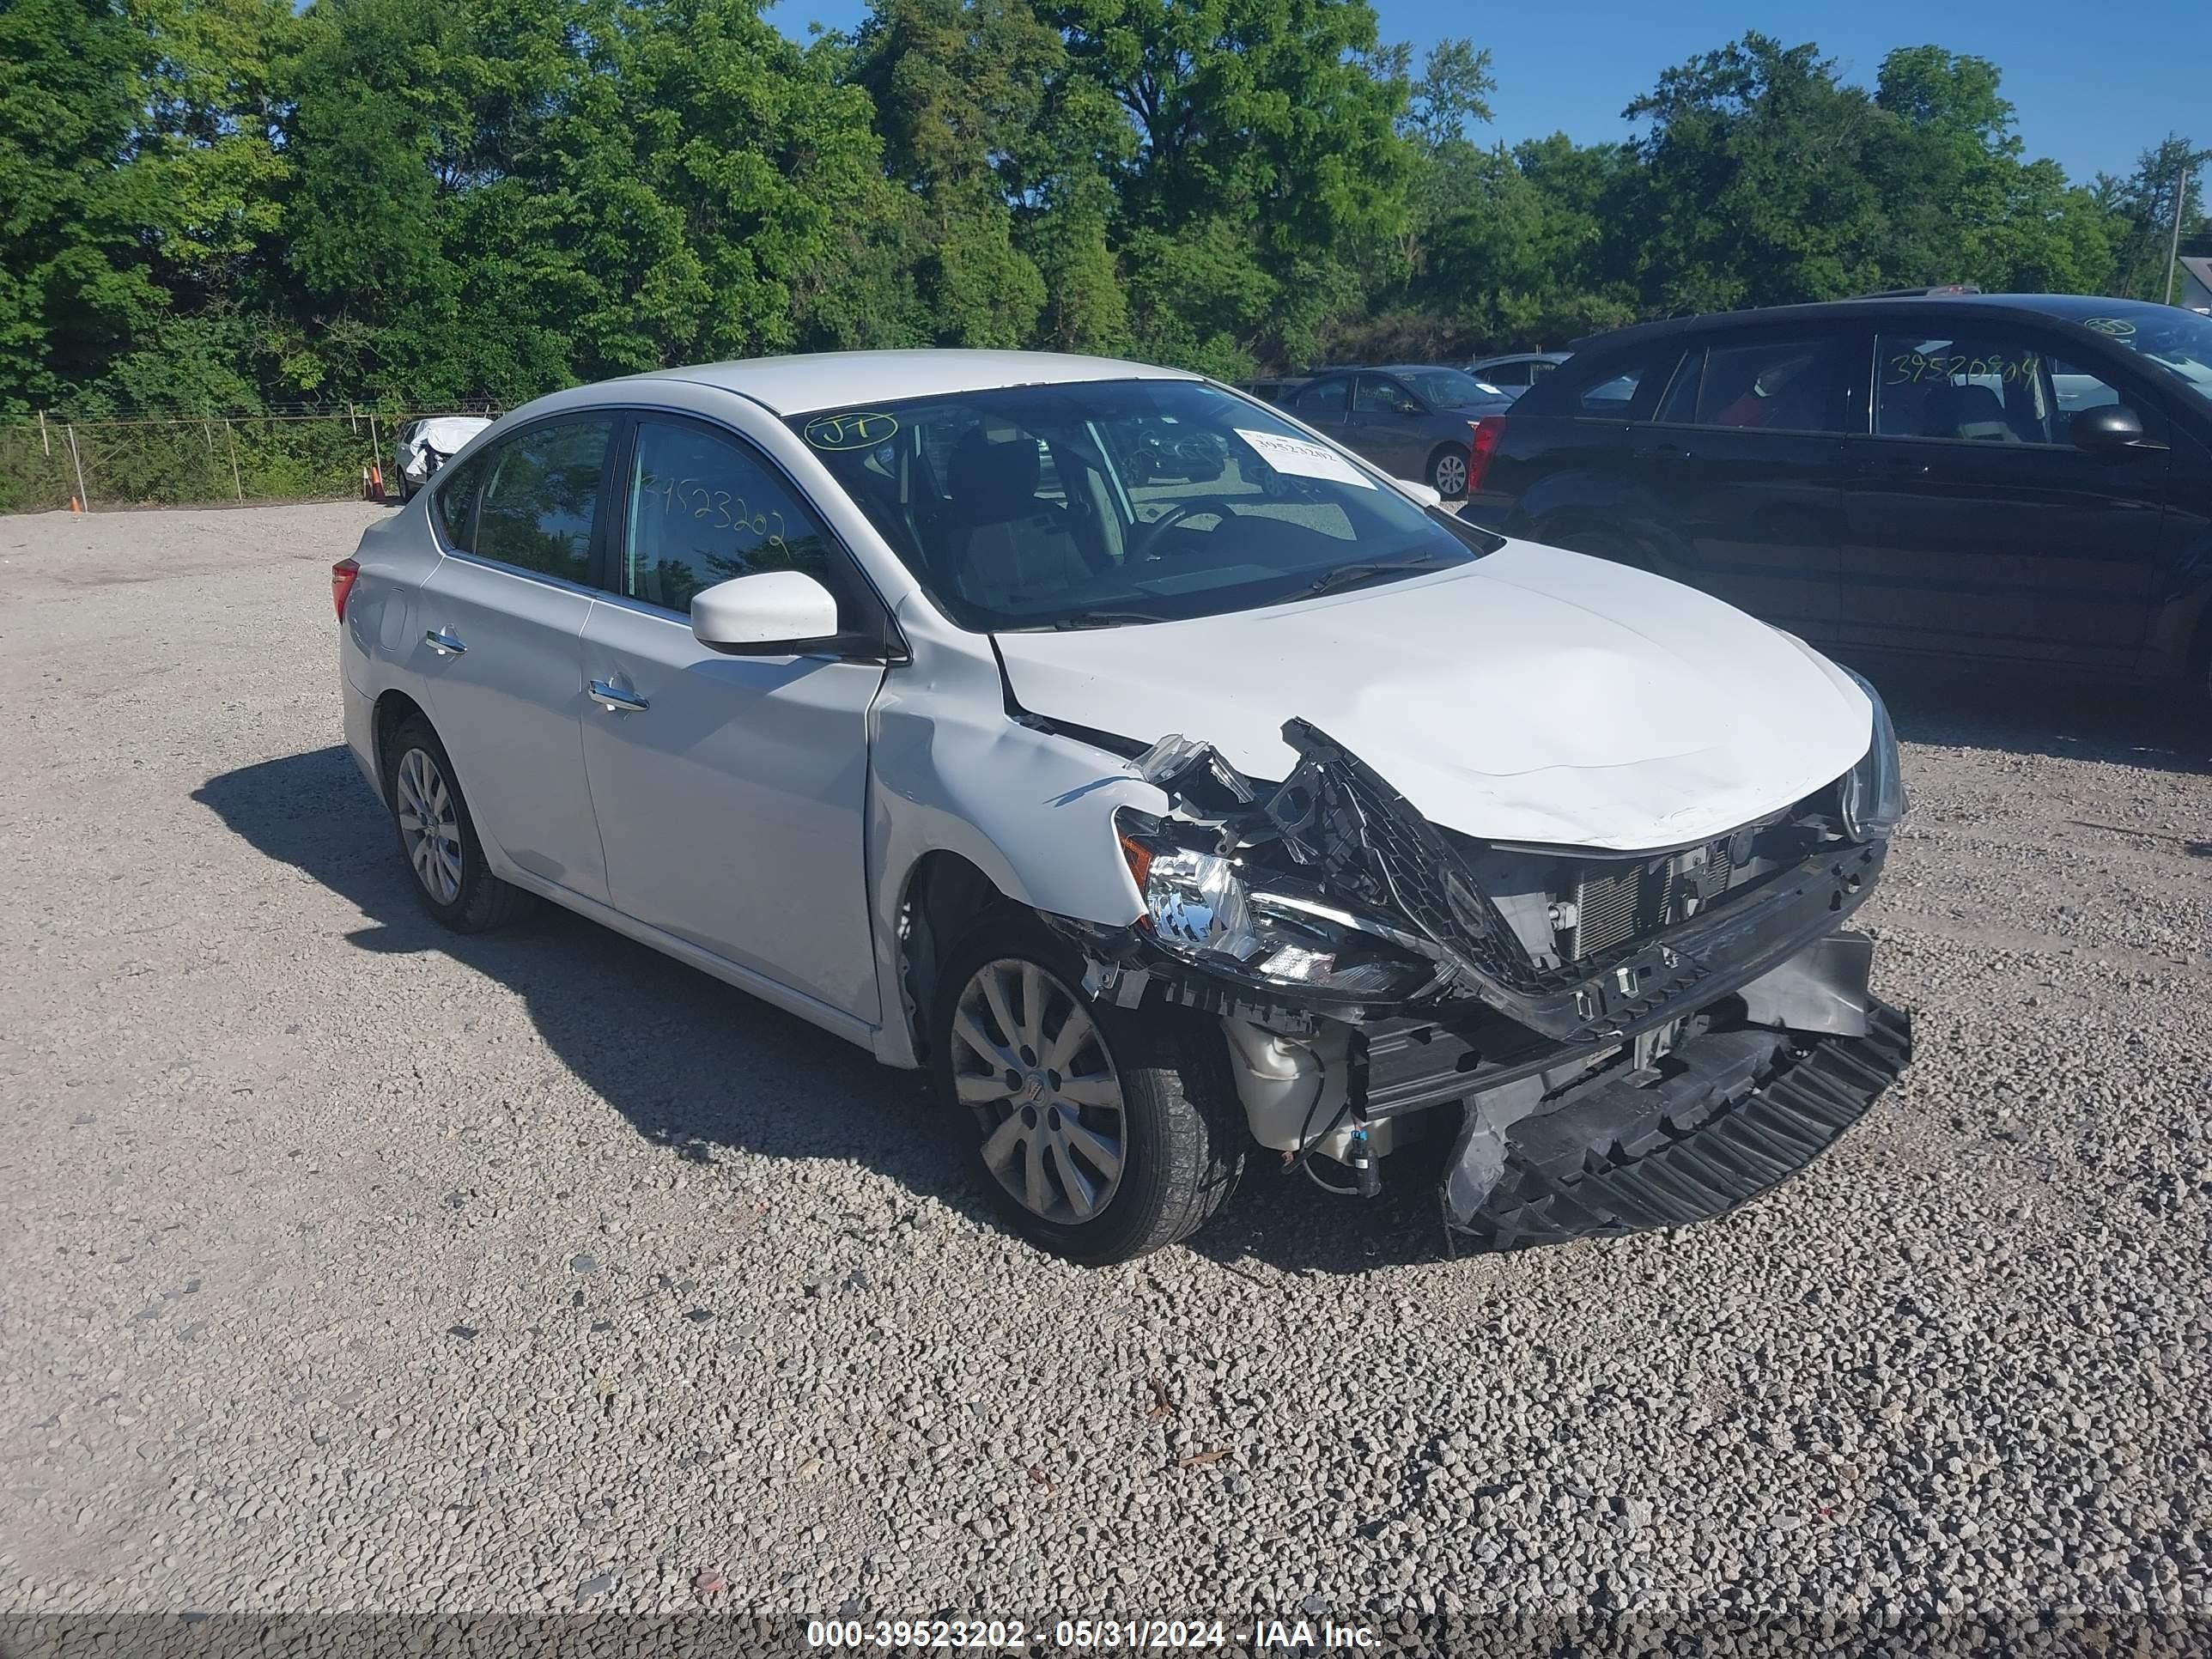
<point>1274,389</point>
<point>1517,372</point>
<point>1415,421</point>
<point>428,444</point>
<point>1153,820</point>
<point>2022,478</point>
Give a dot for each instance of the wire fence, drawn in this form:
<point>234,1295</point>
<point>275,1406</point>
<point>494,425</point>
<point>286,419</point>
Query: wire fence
<point>46,462</point>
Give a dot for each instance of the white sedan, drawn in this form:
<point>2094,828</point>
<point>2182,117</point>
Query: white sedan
<point>428,444</point>
<point>1158,814</point>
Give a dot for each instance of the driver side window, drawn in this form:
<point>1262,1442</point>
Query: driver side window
<point>702,509</point>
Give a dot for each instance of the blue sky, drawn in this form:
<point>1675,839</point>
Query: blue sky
<point>2093,83</point>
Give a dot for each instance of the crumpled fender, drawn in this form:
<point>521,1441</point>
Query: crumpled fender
<point>952,771</point>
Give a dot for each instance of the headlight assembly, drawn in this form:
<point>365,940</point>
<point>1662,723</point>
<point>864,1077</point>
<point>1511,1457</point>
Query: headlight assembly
<point>1207,909</point>
<point>1873,791</point>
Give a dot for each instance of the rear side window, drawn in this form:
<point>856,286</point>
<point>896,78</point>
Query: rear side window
<point>1794,384</point>
<point>454,495</point>
<point>1505,374</point>
<point>541,499</point>
<point>1324,399</point>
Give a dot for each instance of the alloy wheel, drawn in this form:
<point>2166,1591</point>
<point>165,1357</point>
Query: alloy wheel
<point>1451,476</point>
<point>1030,1062</point>
<point>429,825</point>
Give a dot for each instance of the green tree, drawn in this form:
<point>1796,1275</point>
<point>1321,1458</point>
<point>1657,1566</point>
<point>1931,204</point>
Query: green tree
<point>75,285</point>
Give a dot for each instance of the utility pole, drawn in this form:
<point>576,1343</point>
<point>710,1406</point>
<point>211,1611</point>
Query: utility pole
<point>2173,249</point>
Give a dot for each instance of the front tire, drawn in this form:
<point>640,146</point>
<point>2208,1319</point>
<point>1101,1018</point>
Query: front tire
<point>1104,1134</point>
<point>438,838</point>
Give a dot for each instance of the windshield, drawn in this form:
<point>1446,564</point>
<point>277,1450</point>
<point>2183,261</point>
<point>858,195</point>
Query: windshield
<point>2181,340</point>
<point>1108,502</point>
<point>1447,388</point>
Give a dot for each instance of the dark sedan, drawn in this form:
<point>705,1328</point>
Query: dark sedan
<point>2022,478</point>
<point>1413,420</point>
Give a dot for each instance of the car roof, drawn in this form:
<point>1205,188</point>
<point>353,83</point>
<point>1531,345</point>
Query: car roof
<point>1522,357</point>
<point>840,379</point>
<point>2065,307</point>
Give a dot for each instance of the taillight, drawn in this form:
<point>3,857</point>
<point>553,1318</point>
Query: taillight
<point>1487,431</point>
<point>344,575</point>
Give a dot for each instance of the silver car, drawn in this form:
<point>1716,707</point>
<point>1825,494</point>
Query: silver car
<point>1163,778</point>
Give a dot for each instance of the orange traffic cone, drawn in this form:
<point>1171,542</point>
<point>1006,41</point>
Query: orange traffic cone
<point>74,509</point>
<point>376,481</point>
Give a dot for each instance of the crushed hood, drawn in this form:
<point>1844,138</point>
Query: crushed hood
<point>1532,696</point>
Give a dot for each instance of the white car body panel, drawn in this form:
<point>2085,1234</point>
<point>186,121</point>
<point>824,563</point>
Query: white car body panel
<point>764,821</point>
<point>841,380</point>
<point>448,434</point>
<point>732,811</point>
<point>1534,696</point>
<point>516,694</point>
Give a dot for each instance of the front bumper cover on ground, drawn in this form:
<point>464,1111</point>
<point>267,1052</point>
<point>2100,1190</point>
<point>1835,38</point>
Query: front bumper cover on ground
<point>1738,1112</point>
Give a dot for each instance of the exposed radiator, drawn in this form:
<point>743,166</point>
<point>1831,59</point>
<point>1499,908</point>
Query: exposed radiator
<point>1617,903</point>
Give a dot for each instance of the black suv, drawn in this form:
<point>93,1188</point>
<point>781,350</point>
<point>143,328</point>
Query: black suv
<point>2022,477</point>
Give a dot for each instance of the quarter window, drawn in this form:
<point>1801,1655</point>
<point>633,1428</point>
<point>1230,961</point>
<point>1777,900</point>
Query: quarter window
<point>541,499</point>
<point>454,495</point>
<point>702,509</point>
<point>1620,389</point>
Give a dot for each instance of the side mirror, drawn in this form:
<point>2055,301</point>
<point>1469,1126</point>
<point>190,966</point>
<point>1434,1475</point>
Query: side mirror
<point>771,613</point>
<point>2107,430</point>
<point>1427,495</point>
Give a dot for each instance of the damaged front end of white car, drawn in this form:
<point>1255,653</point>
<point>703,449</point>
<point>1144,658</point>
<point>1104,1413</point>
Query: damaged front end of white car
<point>1634,1039</point>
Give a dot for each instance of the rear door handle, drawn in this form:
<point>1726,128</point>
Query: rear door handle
<point>445,644</point>
<point>617,701</point>
<point>1891,467</point>
<point>1665,453</point>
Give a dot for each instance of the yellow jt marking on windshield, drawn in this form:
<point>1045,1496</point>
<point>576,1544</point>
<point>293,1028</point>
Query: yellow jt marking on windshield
<point>859,431</point>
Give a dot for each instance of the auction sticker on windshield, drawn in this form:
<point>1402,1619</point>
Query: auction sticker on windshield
<point>1303,460</point>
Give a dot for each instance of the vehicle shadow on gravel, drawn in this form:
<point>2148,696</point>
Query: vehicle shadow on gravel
<point>695,1065</point>
<point>692,1063</point>
<point>2064,720</point>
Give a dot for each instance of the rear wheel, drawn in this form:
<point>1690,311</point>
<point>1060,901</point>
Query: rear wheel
<point>1102,1133</point>
<point>1448,471</point>
<point>438,838</point>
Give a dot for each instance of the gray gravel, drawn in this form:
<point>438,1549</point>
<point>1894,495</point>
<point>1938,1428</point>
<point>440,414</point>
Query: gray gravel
<point>350,1265</point>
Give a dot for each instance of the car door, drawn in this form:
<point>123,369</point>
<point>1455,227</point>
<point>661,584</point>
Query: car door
<point>500,651</point>
<point>1392,427</point>
<point>1975,526</point>
<point>1743,463</point>
<point>731,790</point>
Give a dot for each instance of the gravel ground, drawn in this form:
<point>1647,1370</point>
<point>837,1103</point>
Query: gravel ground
<point>350,1265</point>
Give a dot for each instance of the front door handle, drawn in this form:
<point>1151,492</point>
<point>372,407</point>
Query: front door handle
<point>616,701</point>
<point>445,644</point>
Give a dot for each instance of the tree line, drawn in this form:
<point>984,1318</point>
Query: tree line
<point>210,205</point>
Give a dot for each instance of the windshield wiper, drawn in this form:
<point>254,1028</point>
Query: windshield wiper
<point>1351,576</point>
<point>1095,619</point>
